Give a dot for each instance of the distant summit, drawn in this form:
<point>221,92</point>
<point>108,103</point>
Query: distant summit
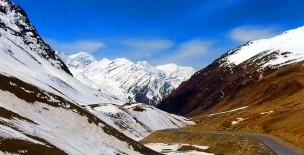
<point>131,82</point>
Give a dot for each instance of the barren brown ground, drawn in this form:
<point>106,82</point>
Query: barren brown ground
<point>274,101</point>
<point>228,144</point>
<point>281,92</point>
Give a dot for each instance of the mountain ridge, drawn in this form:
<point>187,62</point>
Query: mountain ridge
<point>43,108</point>
<point>251,88</point>
<point>19,25</point>
<point>239,67</point>
<point>133,82</point>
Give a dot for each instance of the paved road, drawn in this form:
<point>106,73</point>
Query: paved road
<point>278,146</point>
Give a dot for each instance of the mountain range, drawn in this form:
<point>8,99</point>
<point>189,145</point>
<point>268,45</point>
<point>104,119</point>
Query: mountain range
<point>45,110</point>
<point>51,103</point>
<point>127,81</point>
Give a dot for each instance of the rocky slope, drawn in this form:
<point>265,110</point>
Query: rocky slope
<point>131,82</point>
<point>40,102</point>
<point>239,68</point>
<point>14,21</point>
<point>257,87</point>
<point>273,106</point>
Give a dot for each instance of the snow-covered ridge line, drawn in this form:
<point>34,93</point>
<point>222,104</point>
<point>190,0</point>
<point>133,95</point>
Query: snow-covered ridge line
<point>285,49</point>
<point>13,19</point>
<point>128,81</point>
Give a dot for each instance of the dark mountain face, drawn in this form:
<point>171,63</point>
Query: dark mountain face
<point>222,81</point>
<point>19,25</point>
<point>272,105</point>
<point>208,87</point>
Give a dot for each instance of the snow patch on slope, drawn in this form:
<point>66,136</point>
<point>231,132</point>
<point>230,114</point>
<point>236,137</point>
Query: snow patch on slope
<point>137,120</point>
<point>74,135</point>
<point>172,149</point>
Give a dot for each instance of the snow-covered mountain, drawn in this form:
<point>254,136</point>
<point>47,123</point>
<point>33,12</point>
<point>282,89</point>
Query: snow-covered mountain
<point>137,120</point>
<point>131,82</point>
<point>40,101</point>
<point>240,68</point>
<point>275,52</point>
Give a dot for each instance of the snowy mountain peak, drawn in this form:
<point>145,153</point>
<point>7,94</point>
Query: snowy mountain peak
<point>121,61</point>
<point>80,60</point>
<point>105,60</point>
<point>135,82</point>
<point>175,71</point>
<point>17,29</point>
<point>147,67</point>
<point>82,55</point>
<point>273,52</point>
<point>168,68</point>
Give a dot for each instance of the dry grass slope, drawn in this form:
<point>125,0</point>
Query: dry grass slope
<point>276,107</point>
<point>219,144</point>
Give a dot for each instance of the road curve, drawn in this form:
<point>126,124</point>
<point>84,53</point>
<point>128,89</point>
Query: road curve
<point>278,148</point>
<point>277,145</point>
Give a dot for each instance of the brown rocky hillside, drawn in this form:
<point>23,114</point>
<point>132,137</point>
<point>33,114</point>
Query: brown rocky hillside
<point>260,93</point>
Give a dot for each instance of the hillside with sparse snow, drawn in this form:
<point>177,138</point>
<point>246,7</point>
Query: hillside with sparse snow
<point>137,120</point>
<point>239,68</point>
<point>256,87</point>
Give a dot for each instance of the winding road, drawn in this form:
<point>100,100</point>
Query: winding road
<point>277,145</point>
<point>278,148</point>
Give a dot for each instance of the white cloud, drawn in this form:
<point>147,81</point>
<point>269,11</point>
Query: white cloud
<point>246,33</point>
<point>156,51</point>
<point>146,48</point>
<point>148,45</point>
<point>76,46</point>
<point>188,53</point>
<point>193,48</point>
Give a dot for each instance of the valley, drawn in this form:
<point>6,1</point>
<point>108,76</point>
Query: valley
<point>44,107</point>
<point>249,100</point>
<point>219,141</point>
<point>263,94</point>
<point>278,114</point>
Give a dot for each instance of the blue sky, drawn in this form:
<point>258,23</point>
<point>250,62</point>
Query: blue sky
<point>185,32</point>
